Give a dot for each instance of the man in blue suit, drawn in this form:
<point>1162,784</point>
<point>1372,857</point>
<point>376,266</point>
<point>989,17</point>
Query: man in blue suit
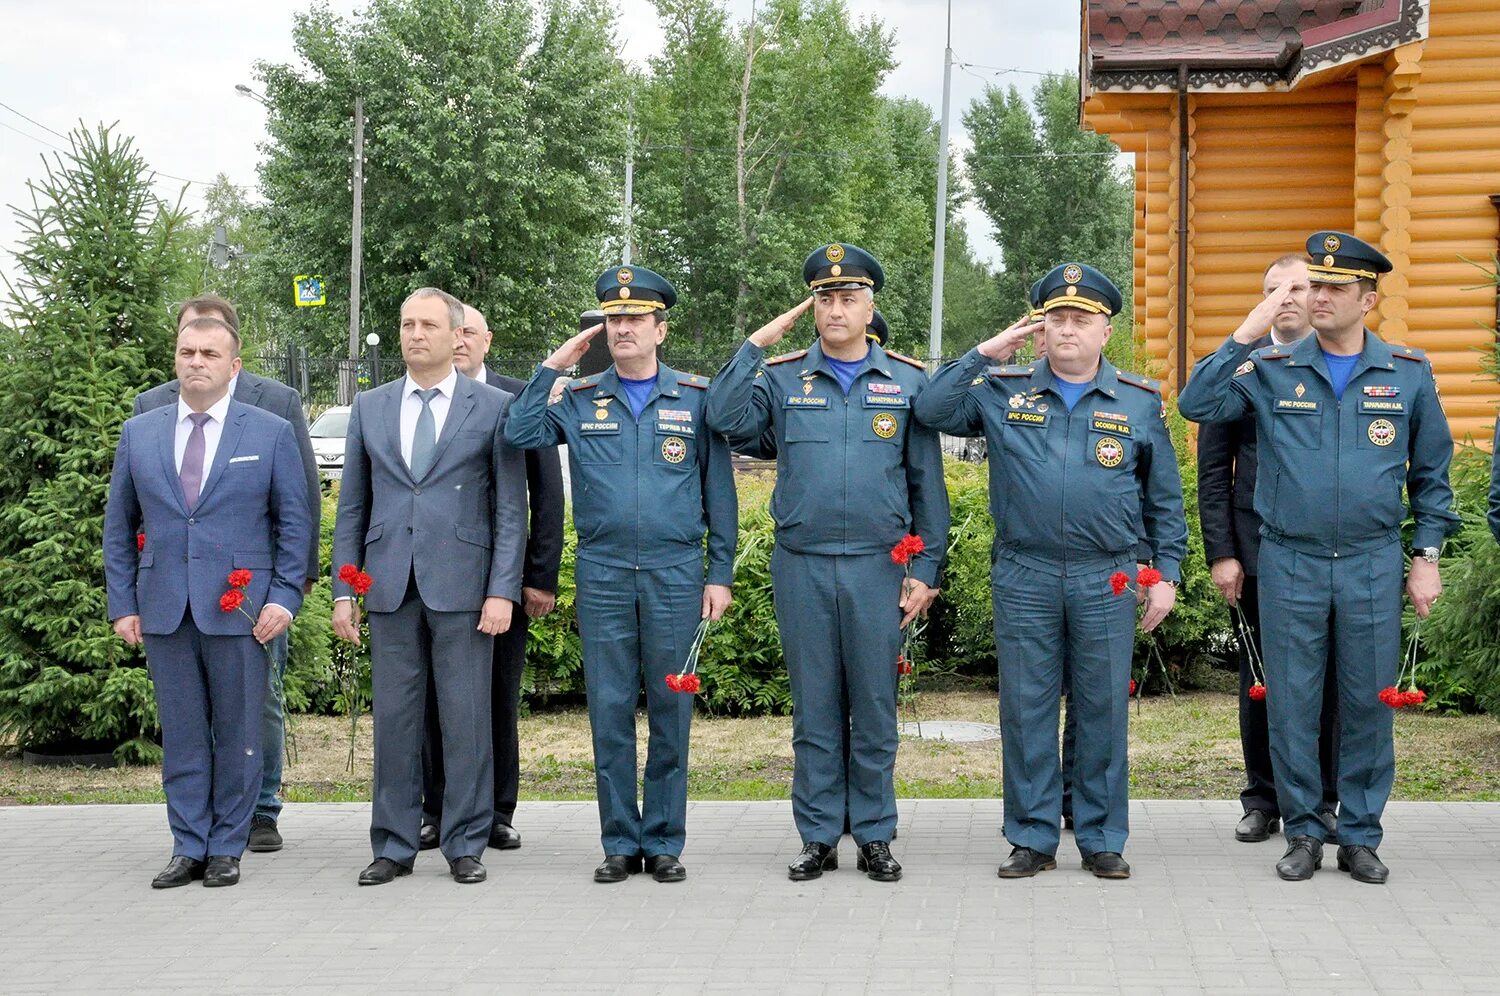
<point>215,486</point>
<point>432,507</point>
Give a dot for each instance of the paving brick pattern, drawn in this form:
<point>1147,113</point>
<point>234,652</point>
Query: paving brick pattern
<point>1202,914</point>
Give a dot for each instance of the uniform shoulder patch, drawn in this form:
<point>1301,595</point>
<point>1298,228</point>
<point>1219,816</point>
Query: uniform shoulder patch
<point>1244,368</point>
<point>906,359</point>
<point>786,357</point>
<point>1408,353</point>
<point>1272,353</point>
<point>693,380</point>
<point>1136,380</point>
<point>585,382</point>
<point>1012,371</point>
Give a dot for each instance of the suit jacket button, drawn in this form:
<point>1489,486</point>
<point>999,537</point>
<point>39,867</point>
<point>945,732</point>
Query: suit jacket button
<point>192,522</point>
<point>416,491</point>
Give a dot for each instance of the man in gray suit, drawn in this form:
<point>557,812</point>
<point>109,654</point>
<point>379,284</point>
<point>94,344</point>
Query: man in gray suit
<point>280,400</point>
<point>433,507</point>
<point>210,486</point>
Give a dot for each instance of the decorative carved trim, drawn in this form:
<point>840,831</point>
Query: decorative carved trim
<point>1409,28</point>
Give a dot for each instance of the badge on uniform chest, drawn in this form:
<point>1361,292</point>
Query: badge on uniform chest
<point>793,401</point>
<point>885,425</point>
<point>674,449</point>
<point>1297,406</point>
<point>1026,418</point>
<point>1109,452</point>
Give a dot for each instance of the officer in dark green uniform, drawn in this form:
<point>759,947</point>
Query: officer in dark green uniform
<point>1328,491</point>
<point>649,479</point>
<point>854,474</point>
<point>1081,469</point>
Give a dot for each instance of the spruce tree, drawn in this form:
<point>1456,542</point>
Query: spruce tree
<point>87,326</point>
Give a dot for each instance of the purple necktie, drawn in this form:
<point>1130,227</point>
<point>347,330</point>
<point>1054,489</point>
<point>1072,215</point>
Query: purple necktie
<point>192,460</point>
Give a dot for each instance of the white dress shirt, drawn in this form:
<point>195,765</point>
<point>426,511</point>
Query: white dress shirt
<point>213,430</point>
<point>411,408</point>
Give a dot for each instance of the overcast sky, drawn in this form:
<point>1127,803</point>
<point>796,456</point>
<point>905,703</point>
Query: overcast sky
<point>165,71</point>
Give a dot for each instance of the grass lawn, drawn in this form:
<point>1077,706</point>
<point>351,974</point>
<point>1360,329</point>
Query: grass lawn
<point>1187,748</point>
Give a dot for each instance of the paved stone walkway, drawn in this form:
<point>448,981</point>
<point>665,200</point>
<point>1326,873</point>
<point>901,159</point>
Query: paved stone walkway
<point>1202,914</point>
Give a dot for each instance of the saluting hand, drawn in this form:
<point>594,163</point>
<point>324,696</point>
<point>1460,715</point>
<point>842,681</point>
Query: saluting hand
<point>771,333</point>
<point>570,352</point>
<point>1258,322</point>
<point>1003,346</point>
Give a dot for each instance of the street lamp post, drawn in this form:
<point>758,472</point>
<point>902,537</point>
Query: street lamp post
<point>940,215</point>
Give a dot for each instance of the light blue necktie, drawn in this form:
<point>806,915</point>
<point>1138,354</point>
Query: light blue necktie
<point>424,440</point>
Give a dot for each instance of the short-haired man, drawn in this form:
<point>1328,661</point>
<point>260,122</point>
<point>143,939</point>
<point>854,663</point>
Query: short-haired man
<point>216,488</point>
<point>544,541</point>
<point>1343,420</point>
<point>854,476</point>
<point>649,482</point>
<point>1231,545</point>
<point>432,507</point>
<point>278,399</point>
<point>1082,472</point>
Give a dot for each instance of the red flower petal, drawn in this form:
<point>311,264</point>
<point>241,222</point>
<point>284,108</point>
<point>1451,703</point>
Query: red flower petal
<point>690,683</point>
<point>361,583</point>
<point>1392,697</point>
<point>1119,581</point>
<point>1257,692</point>
<point>347,573</point>
<point>1149,577</point>
<point>231,600</point>
<point>140,542</point>
<point>240,577</point>
<point>1133,686</point>
<point>674,682</point>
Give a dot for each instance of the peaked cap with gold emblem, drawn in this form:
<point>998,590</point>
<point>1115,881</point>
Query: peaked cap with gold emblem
<point>633,290</point>
<point>1078,285</point>
<point>1338,258</point>
<point>839,266</point>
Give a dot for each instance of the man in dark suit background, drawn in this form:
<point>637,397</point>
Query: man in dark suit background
<point>1231,545</point>
<point>278,399</point>
<point>433,507</point>
<point>215,487</point>
<point>544,542</point>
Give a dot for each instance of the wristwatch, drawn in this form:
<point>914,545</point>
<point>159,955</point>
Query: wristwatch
<point>1427,553</point>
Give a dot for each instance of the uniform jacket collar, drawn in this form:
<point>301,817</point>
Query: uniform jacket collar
<point>1106,379</point>
<point>1308,352</point>
<point>666,384</point>
<point>816,362</point>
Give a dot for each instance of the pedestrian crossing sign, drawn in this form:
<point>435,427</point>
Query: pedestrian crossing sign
<point>308,291</point>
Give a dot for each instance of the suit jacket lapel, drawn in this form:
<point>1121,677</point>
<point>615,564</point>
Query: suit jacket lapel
<point>247,389</point>
<point>166,444</point>
<point>390,416</point>
<point>229,439</point>
<point>458,410</point>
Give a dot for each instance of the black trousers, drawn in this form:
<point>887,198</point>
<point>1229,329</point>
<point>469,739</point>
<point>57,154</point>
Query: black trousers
<point>505,700</point>
<point>1260,784</point>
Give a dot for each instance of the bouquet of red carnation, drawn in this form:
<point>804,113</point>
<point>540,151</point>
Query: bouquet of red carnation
<point>1242,632</point>
<point>350,663</point>
<point>233,600</point>
<point>1394,695</point>
<point>1146,577</point>
<point>687,680</point>
<point>903,553</point>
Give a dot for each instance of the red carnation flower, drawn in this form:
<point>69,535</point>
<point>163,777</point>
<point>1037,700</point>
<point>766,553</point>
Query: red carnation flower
<point>1392,697</point>
<point>1119,581</point>
<point>1257,692</point>
<point>240,577</point>
<point>690,683</point>
<point>674,682</point>
<point>362,583</point>
<point>348,573</point>
<point>1414,696</point>
<point>1149,577</point>
<point>1133,686</point>
<point>908,548</point>
<point>140,542</point>
<point>903,666</point>
<point>231,600</point>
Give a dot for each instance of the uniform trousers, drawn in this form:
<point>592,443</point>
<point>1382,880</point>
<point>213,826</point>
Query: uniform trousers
<point>637,625</point>
<point>1348,607</point>
<point>840,624</point>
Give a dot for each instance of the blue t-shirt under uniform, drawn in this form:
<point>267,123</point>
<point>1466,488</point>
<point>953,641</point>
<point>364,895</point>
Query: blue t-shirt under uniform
<point>1340,368</point>
<point>1071,390</point>
<point>846,370</point>
<point>637,393</point>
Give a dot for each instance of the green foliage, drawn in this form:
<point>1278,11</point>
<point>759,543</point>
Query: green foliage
<point>492,146</point>
<point>1053,191</point>
<point>86,329</point>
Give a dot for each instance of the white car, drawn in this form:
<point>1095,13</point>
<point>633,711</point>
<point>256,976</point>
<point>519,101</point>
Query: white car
<point>328,432</point>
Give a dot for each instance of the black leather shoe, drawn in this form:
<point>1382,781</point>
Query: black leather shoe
<point>617,868</point>
<point>1362,864</point>
<point>503,837</point>
<point>427,840</point>
<point>1303,856</point>
<point>264,837</point>
<point>1067,821</point>
<point>1106,864</point>
<point>1255,826</point>
<point>179,871</point>
<point>221,871</point>
<point>467,870</point>
<point>383,870</point>
<point>875,861</point>
<point>666,868</point>
<point>1330,821</point>
<point>814,860</point>
<point>1024,863</point>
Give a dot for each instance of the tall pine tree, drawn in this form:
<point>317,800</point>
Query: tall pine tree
<point>87,326</point>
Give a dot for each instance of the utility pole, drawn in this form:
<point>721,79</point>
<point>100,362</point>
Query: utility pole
<point>356,250</point>
<point>940,223</point>
<point>629,179</point>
